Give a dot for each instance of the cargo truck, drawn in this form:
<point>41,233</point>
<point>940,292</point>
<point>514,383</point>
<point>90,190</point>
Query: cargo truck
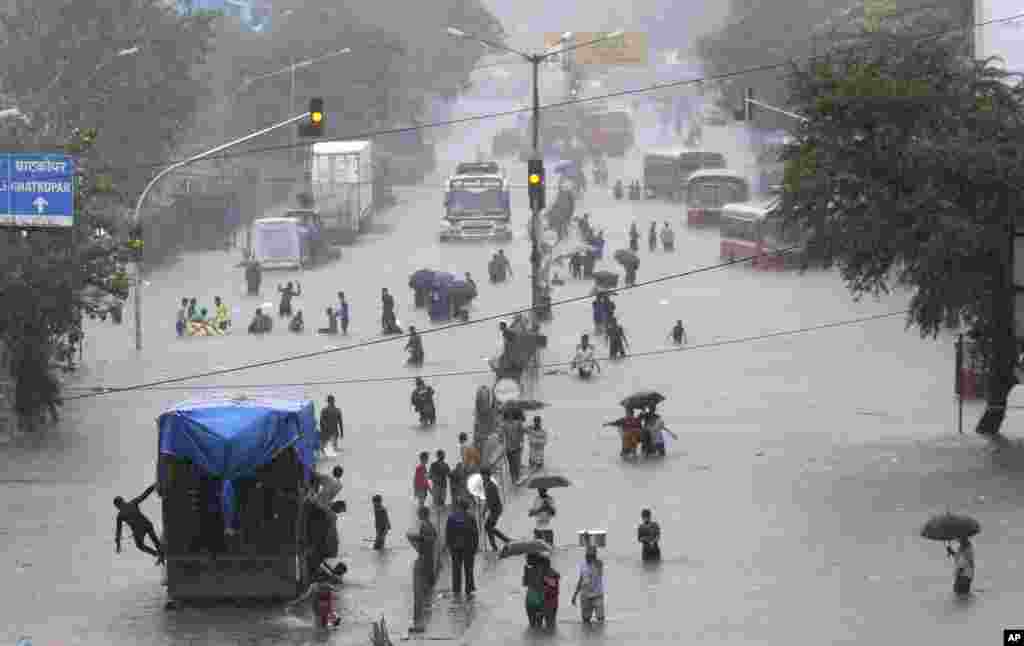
<point>342,179</point>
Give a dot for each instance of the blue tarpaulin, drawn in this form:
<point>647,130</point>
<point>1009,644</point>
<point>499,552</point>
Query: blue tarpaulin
<point>232,438</point>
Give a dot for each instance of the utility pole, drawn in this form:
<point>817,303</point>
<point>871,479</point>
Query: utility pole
<point>535,259</point>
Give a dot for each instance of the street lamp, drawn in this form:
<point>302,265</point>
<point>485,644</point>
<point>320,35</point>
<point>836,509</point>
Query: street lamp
<point>535,60</point>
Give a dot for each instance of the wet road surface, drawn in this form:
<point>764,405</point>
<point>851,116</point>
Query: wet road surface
<point>789,506</point>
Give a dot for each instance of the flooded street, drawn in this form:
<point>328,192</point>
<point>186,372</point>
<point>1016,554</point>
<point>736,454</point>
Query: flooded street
<point>789,506</point>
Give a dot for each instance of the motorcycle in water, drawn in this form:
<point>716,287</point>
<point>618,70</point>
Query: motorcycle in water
<point>618,190</point>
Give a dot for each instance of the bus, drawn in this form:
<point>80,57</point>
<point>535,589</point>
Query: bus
<point>707,191</point>
<point>757,229</point>
<point>477,205</point>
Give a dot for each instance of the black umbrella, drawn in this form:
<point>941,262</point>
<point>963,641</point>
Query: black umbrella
<point>643,399</point>
<point>523,405</point>
<point>950,527</point>
<point>548,482</point>
<point>626,258</point>
<point>606,279</point>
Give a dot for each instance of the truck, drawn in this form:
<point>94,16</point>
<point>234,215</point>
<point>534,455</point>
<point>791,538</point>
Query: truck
<point>666,171</point>
<point>477,204</point>
<point>234,475</point>
<point>342,180</point>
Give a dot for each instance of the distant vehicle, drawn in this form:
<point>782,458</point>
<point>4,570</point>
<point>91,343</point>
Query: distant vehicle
<point>477,206</point>
<point>342,177</point>
<point>285,243</point>
<point>707,191</point>
<point>757,229</point>
<point>478,168</point>
<point>666,172</point>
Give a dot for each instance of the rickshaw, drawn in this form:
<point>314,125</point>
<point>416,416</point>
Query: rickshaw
<point>708,190</point>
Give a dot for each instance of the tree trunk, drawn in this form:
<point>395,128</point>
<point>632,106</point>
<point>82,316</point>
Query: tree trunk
<point>1003,359</point>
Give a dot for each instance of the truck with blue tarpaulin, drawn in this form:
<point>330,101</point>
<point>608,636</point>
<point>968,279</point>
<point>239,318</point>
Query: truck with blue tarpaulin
<point>234,475</point>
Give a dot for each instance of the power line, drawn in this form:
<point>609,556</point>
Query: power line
<point>549,106</point>
<point>444,328</point>
<point>466,373</point>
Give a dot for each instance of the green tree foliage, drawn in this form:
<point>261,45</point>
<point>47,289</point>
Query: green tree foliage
<point>904,176</point>
<point>111,111</point>
<point>765,33</point>
<point>48,280</point>
<point>63,69</point>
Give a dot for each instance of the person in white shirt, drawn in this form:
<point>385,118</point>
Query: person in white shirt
<point>963,564</point>
<point>543,511</point>
<point>330,487</point>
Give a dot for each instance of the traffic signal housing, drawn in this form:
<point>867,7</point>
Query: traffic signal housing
<point>314,126</point>
<point>535,182</point>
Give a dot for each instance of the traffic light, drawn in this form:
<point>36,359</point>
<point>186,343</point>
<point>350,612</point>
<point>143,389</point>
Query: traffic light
<point>315,126</point>
<point>535,178</point>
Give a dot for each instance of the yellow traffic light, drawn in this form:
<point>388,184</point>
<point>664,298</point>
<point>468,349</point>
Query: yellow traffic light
<point>535,179</point>
<point>316,117</point>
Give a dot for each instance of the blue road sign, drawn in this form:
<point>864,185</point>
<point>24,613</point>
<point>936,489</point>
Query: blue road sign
<point>37,190</point>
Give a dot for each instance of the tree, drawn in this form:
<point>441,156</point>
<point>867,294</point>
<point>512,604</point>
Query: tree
<point>760,33</point>
<point>906,174</point>
<point>65,71</point>
<point>68,65</point>
<point>49,279</point>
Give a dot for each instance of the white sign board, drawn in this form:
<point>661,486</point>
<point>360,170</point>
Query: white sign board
<point>1003,39</point>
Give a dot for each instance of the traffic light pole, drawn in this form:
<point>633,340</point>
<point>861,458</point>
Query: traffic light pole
<point>137,223</point>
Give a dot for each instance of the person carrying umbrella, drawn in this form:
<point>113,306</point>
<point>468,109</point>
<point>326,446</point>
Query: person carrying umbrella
<point>963,566</point>
<point>948,527</point>
<point>543,511</point>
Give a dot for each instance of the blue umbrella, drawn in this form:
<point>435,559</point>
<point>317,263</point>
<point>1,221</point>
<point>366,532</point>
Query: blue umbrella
<point>442,279</point>
<point>422,279</point>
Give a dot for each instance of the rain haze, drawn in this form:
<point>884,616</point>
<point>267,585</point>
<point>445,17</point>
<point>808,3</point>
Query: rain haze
<point>216,214</point>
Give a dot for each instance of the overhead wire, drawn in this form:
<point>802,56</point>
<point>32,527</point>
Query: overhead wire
<point>444,328</point>
<point>474,372</point>
<point>549,106</point>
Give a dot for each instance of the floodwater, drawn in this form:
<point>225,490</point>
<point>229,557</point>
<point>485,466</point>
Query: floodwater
<point>789,506</point>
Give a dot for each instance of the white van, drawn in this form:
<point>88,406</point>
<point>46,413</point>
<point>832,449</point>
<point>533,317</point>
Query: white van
<point>278,243</point>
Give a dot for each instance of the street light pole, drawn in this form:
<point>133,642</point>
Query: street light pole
<point>535,291</point>
<point>173,167</point>
<point>535,60</point>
